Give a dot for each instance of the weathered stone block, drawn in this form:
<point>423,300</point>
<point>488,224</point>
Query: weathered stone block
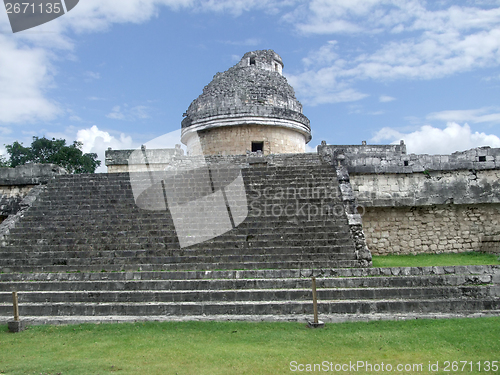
<point>16,326</point>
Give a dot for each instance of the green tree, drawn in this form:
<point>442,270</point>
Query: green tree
<point>55,151</point>
<point>4,162</point>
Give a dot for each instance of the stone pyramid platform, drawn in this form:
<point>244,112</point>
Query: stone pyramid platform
<point>85,251</point>
<point>92,223</point>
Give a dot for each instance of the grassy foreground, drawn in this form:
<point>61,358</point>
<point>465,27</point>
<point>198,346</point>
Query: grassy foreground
<point>428,260</point>
<point>251,348</point>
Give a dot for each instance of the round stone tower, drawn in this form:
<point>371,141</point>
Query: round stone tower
<point>249,107</point>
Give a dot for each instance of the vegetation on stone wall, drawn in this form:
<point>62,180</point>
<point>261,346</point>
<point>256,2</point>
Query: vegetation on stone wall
<point>55,151</point>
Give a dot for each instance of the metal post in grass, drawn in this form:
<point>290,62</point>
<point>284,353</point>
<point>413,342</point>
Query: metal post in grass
<point>316,323</point>
<point>16,325</point>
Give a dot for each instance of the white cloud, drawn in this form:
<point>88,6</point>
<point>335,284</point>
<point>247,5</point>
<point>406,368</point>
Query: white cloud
<point>343,16</point>
<point>246,42</point>
<point>491,78</point>
<point>385,98</point>
<point>24,73</point>
<point>417,43</point>
<point>396,16</point>
<point>92,75</point>
<point>481,115</point>
<point>168,140</point>
<point>430,56</point>
<point>431,140</point>
<point>237,7</point>
<point>98,141</point>
<point>421,40</point>
<point>26,59</point>
<point>116,113</point>
<point>311,147</point>
<point>98,15</point>
<point>75,118</point>
<point>139,112</point>
<point>5,131</point>
<point>325,55</point>
<point>129,114</point>
<point>322,87</point>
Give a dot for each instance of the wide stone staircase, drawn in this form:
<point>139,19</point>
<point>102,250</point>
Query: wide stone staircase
<point>343,294</point>
<point>91,223</point>
<point>85,251</point>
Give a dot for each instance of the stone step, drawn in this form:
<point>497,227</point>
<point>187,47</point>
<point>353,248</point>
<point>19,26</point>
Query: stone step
<point>217,259</point>
<point>281,190</point>
<point>261,294</point>
<point>447,305</point>
<point>117,282</point>
<point>257,231</point>
<point>316,182</point>
<point>275,212</point>
<point>154,231</point>
<point>275,246</point>
<point>57,252</point>
<point>356,276</point>
<point>308,174</point>
<point>327,318</point>
<point>180,266</point>
<point>314,222</point>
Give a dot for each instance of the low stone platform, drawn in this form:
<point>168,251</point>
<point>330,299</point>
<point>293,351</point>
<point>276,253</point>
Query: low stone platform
<point>347,294</point>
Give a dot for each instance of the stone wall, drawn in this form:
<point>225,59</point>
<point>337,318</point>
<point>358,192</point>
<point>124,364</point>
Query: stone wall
<point>10,199</point>
<point>237,140</point>
<point>393,159</point>
<point>423,189</point>
<point>121,161</point>
<point>430,229</point>
<point>424,203</point>
<point>16,183</point>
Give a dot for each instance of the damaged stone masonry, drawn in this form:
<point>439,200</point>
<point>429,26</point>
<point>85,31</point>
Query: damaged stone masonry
<point>438,203</point>
<point>424,203</point>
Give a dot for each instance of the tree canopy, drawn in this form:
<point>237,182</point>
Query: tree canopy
<point>4,162</point>
<point>55,151</point>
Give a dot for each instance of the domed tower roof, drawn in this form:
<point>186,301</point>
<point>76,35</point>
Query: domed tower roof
<point>253,91</point>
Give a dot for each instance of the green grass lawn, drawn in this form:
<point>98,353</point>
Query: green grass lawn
<point>249,348</point>
<point>426,260</point>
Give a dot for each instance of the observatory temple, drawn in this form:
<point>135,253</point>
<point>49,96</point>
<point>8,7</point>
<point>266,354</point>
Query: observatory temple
<point>235,225</point>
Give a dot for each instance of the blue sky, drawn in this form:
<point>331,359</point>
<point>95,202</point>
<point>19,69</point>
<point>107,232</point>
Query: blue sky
<point>118,73</point>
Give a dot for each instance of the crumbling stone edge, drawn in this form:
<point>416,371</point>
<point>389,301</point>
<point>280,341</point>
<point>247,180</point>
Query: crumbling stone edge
<point>491,273</point>
<point>24,206</point>
<point>295,318</point>
<point>337,161</point>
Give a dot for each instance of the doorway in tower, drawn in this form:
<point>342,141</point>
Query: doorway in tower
<point>257,146</point>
